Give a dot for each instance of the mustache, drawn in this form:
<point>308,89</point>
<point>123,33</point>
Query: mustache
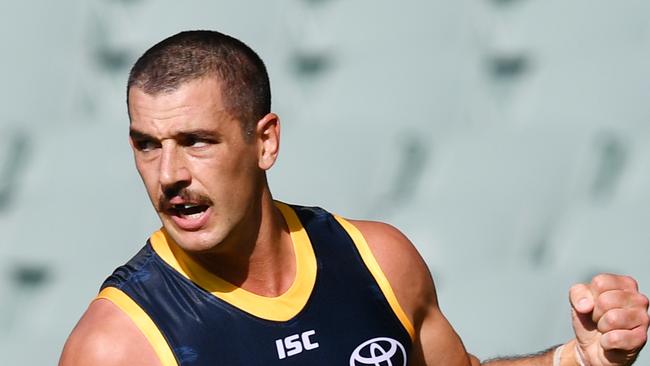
<point>186,195</point>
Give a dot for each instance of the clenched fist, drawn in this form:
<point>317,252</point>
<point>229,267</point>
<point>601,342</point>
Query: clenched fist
<point>610,320</point>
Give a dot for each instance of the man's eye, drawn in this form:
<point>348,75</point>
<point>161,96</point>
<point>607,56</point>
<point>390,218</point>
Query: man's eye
<point>199,143</point>
<point>195,142</point>
<point>145,145</point>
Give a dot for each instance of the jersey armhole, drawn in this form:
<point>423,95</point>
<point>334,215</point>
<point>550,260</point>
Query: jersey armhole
<point>142,320</point>
<point>374,268</point>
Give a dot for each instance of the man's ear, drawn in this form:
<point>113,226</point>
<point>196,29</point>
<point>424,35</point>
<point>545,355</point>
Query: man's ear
<point>268,138</point>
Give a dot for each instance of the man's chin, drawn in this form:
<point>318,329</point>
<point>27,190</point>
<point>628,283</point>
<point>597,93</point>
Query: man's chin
<point>191,241</point>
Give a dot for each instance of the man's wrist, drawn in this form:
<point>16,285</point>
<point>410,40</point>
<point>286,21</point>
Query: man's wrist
<point>569,354</point>
<point>557,355</point>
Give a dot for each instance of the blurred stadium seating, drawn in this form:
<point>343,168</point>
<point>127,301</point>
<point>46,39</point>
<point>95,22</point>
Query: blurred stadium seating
<point>508,139</point>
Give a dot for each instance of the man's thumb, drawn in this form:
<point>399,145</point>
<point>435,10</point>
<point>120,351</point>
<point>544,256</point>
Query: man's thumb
<point>581,298</point>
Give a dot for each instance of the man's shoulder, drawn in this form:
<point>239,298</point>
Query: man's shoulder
<point>106,336</point>
<point>388,243</point>
<point>402,265</point>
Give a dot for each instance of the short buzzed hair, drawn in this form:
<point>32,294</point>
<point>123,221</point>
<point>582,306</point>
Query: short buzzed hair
<point>191,55</point>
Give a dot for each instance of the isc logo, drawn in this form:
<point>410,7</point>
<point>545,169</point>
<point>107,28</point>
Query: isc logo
<point>295,344</point>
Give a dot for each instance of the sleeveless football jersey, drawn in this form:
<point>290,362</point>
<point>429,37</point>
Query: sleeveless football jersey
<point>340,309</point>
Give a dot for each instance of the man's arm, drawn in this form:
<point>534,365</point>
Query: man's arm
<point>610,316</point>
<point>436,342</point>
<point>106,336</point>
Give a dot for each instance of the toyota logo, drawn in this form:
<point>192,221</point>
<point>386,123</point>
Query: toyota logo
<point>381,351</point>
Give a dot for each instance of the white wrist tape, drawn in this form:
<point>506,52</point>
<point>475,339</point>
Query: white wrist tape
<point>581,356</point>
<point>557,355</point>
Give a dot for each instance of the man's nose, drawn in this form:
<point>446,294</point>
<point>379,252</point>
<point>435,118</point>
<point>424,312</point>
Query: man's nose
<point>173,169</point>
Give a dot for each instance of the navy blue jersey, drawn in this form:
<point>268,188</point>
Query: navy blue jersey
<point>340,310</point>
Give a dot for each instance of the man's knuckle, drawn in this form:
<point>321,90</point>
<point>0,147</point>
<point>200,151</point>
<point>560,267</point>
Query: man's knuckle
<point>614,339</point>
<point>602,302</point>
<point>612,318</point>
<point>630,282</point>
<point>637,338</point>
<point>598,278</point>
<point>645,319</point>
<point>599,281</point>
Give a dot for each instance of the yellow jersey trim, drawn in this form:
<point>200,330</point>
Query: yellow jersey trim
<point>280,308</point>
<point>377,273</point>
<point>142,321</point>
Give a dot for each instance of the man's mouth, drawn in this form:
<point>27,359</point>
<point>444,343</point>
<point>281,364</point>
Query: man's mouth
<point>188,210</point>
<point>189,216</point>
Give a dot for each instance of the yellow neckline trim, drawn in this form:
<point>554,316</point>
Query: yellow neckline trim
<point>280,308</point>
<point>142,321</point>
<point>377,273</point>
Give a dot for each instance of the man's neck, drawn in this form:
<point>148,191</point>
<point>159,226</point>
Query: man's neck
<point>261,258</point>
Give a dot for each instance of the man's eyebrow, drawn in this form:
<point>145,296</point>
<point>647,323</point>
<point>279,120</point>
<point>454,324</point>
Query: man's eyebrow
<point>139,135</point>
<point>198,134</point>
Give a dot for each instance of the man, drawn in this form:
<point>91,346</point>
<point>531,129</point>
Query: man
<point>236,278</point>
